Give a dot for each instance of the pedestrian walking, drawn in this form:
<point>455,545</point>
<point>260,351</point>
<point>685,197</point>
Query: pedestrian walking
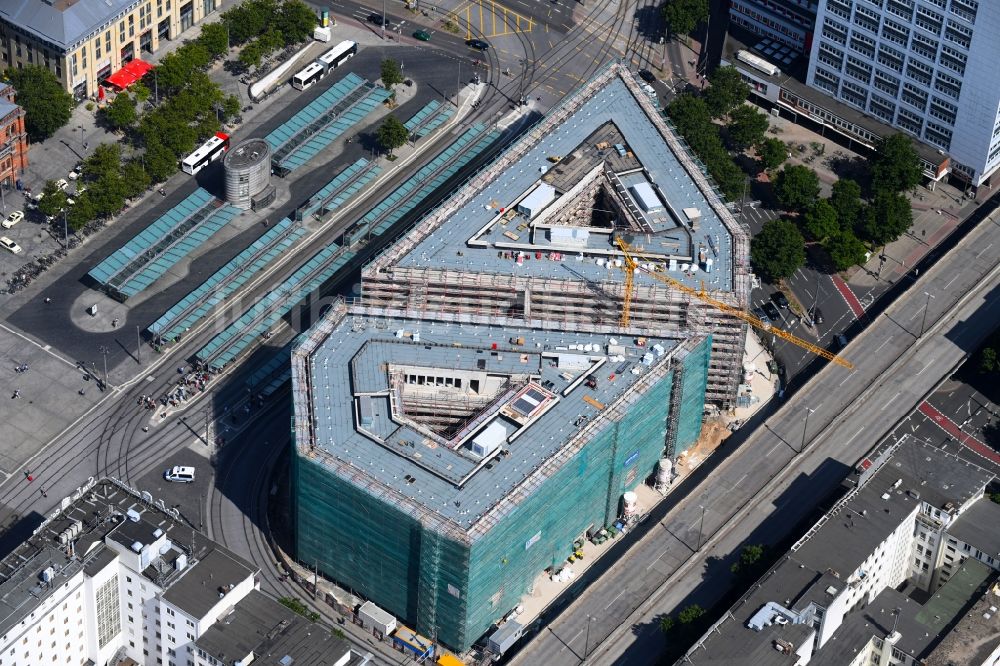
<point>17,394</point>
<point>47,300</point>
<point>43,492</point>
<point>114,323</point>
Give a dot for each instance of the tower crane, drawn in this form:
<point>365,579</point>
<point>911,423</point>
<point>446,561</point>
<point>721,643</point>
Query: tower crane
<point>630,265</point>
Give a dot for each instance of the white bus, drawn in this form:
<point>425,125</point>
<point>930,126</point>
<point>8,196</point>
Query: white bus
<point>207,152</point>
<point>308,76</point>
<point>333,58</point>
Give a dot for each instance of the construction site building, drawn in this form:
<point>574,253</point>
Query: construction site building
<point>532,236</point>
<point>442,463</point>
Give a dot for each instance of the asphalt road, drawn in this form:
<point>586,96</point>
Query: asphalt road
<point>765,487</point>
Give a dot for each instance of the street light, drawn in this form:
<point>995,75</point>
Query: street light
<point>923,320</point>
<point>701,527</point>
<point>586,644</point>
<point>805,425</point>
<point>104,352</point>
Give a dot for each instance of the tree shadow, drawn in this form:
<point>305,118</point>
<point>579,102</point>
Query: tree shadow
<point>853,167</point>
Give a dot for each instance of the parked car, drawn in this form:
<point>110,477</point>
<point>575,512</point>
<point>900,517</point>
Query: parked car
<point>12,219</point>
<point>378,20</point>
<point>840,341</point>
<point>73,175</point>
<point>62,184</point>
<point>477,44</point>
<point>816,315</point>
<point>10,245</point>
<point>772,312</point>
<point>780,300</point>
<point>179,474</point>
<point>758,312</point>
<point>647,76</point>
<point>422,35</point>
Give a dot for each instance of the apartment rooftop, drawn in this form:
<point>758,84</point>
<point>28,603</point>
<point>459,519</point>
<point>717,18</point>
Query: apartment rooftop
<point>61,23</point>
<point>605,163</point>
<point>969,527</point>
<point>975,637</point>
<point>826,559</point>
<point>272,635</point>
<point>448,417</point>
<point>104,521</point>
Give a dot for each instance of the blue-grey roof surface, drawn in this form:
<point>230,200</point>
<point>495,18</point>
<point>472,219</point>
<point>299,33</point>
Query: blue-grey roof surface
<point>445,247</point>
<point>6,108</point>
<point>359,353</point>
<point>64,22</point>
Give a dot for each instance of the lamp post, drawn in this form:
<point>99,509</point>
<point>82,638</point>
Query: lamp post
<point>701,527</point>
<point>586,643</point>
<point>805,426</point>
<point>138,346</point>
<point>104,352</point>
<point>923,320</point>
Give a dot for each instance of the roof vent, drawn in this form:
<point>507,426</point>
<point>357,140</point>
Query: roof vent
<point>157,533</point>
<point>137,546</point>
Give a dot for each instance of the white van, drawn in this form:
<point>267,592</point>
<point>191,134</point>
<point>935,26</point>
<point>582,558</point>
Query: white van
<point>179,474</point>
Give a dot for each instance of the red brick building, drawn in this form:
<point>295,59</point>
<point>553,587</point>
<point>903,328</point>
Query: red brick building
<point>13,138</point>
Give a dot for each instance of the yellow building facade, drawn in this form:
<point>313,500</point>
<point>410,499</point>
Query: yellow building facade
<point>84,41</point>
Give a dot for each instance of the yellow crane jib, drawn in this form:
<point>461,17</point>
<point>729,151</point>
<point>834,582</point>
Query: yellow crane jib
<point>630,265</point>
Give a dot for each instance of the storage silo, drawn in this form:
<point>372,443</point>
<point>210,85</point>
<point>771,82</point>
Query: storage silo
<point>248,172</point>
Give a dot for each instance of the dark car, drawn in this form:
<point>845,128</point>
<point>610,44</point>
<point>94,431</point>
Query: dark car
<point>378,20</point>
<point>422,35</point>
<point>816,315</point>
<point>758,312</point>
<point>780,300</point>
<point>771,311</point>
<point>647,76</point>
<point>477,44</point>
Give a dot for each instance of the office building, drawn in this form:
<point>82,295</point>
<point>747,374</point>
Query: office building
<point>779,23</point>
<point>882,578</point>
<point>925,67</point>
<point>442,464</point>
<point>84,41</point>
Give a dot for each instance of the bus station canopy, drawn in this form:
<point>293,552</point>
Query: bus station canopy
<point>129,74</point>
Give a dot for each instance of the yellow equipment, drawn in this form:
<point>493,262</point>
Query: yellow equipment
<point>630,266</point>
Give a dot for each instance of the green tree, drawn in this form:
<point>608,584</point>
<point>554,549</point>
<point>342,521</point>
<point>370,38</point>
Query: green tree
<point>141,91</point>
<point>135,178</point>
<point>392,73</point>
<point>120,114</point>
<point>846,200</point>
<point>988,361</point>
<point>750,560</point>
<point>80,213</point>
<point>53,199</point>
<point>746,126</point>
<point>690,614</point>
<point>160,161</point>
<point>214,38</point>
<point>231,107</point>
<point>995,498</point>
<point>772,153</point>
<point>666,624</point>
<point>886,218</point>
<point>296,606</point>
<point>683,16</point>
<point>895,164</point>
<point>47,106</point>
<point>251,55</point>
<point>104,161</point>
<point>296,21</point>
<point>796,187</point>
<point>689,114</point>
<point>845,249</point>
<point>248,20</point>
<point>392,134</point>
<point>108,195</point>
<point>778,250</point>
<point>820,221</point>
<point>727,90</point>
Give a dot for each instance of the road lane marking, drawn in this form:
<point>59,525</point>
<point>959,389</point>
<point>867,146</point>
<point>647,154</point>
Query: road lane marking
<point>857,433</point>
<point>566,644</point>
<point>884,343</point>
<point>984,250</point>
<point>844,381</point>
<point>889,401</point>
<point>619,596</point>
<point>955,277</point>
